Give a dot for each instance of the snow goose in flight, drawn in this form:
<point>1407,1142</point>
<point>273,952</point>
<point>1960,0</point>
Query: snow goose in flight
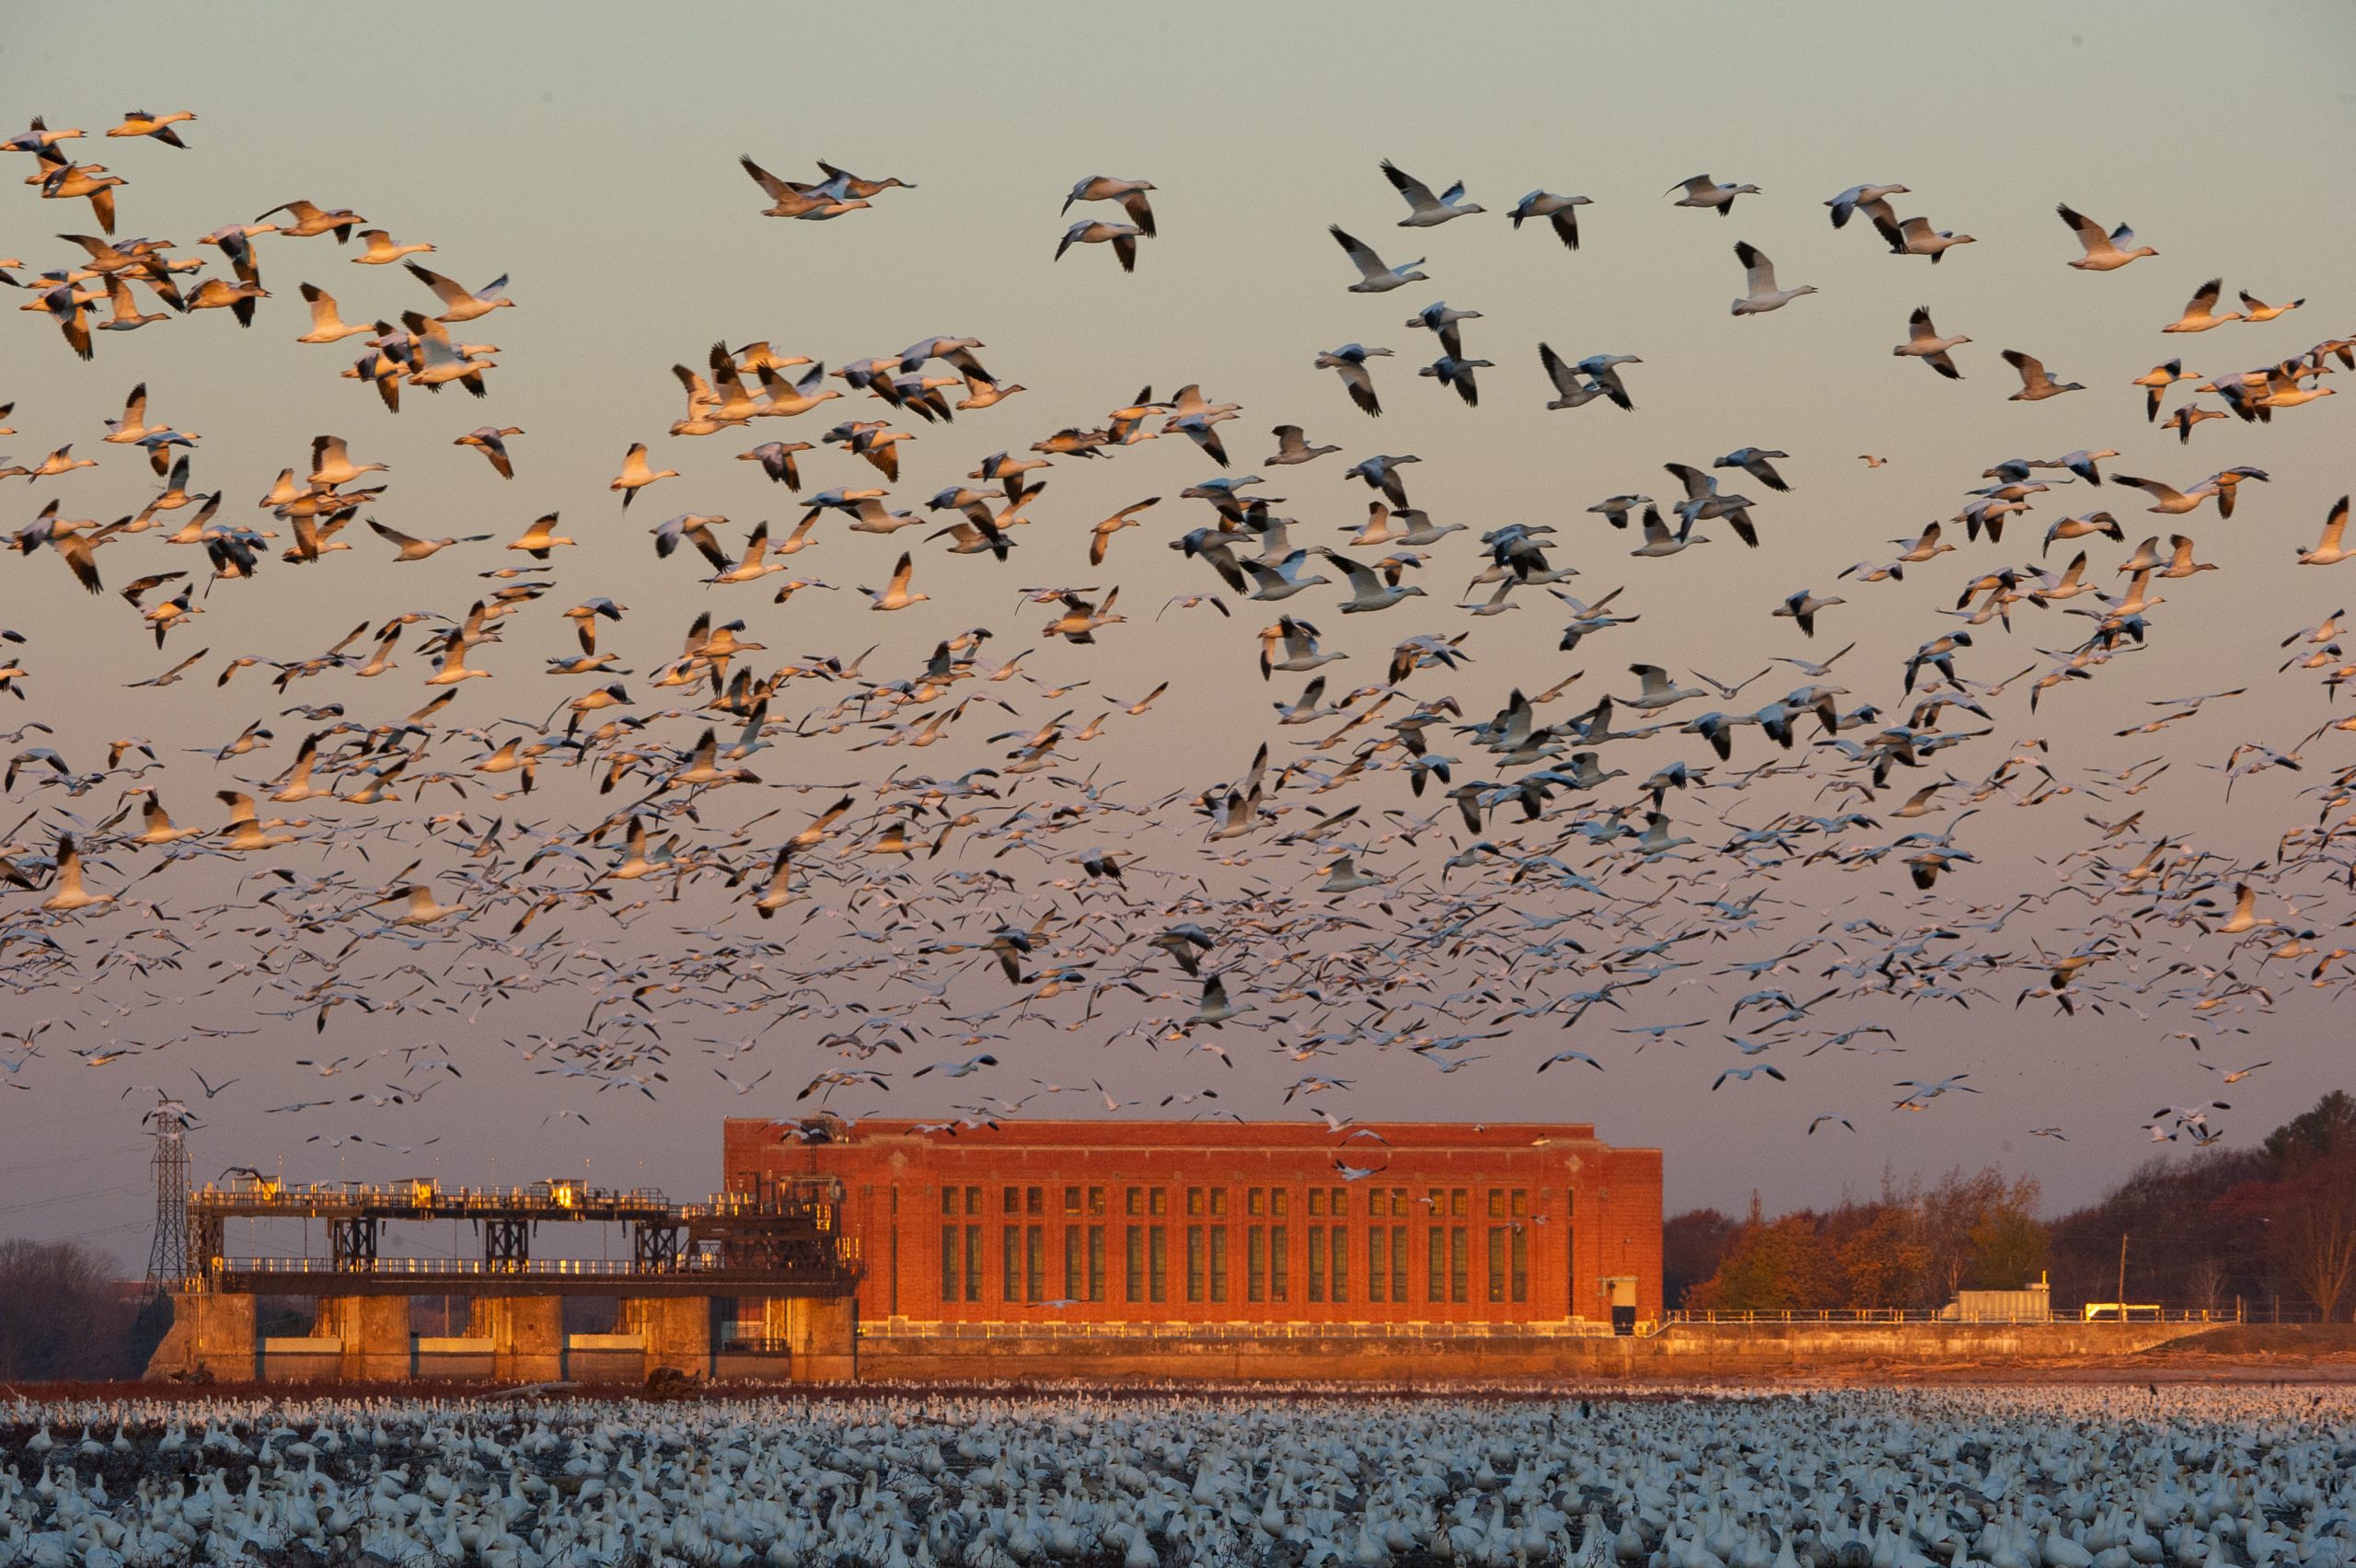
<point>784,399</point>
<point>1562,212</point>
<point>1292,447</point>
<point>1099,538</point>
<point>492,442</point>
<point>1759,280</point>
<point>1124,238</point>
<point>852,185</point>
<point>1659,541</point>
<point>1425,210</point>
<point>1753,460</point>
<point>1570,392</point>
<point>1603,369</point>
<point>2201,310</point>
<point>1923,342</point>
<point>2328,551</point>
<point>2104,252</point>
<point>1298,640</point>
<point>2167,498</point>
<point>1802,608</point>
<point>2183,420</point>
<point>70,896</point>
<point>312,219</point>
<point>1437,317</point>
<point>410,548</point>
<point>2261,311</point>
<point>897,597</point>
<point>541,538</point>
<point>791,198</point>
<point>1915,236</point>
<point>457,302</point>
<point>1280,579</point>
<point>1457,372</point>
<point>144,123</point>
<point>1375,276</point>
<point>1702,191</point>
<point>1614,509</point>
<point>219,293</point>
<point>1373,588</point>
<point>1381,472</point>
<point>1129,193</point>
<point>636,476</point>
<point>1704,502</point>
<point>2157,380</point>
<point>1856,196</point>
<point>326,325</point>
<point>2036,386</point>
<point>1660,689</point>
<point>380,248</point>
<point>1350,361</point>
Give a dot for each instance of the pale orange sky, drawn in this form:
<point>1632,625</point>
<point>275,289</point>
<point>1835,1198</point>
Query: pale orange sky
<point>593,161</point>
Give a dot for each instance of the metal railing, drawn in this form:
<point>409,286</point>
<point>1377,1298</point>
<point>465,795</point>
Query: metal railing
<point>694,1264</point>
<point>1705,1316</point>
<point>424,1198</point>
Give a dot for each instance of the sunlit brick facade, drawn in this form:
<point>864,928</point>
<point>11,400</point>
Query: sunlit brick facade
<point>1213,1222</point>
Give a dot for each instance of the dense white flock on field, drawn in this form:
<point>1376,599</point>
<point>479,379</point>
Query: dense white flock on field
<point>2076,1478</point>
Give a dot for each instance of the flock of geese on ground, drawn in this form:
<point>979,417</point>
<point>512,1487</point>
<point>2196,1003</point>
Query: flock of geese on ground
<point>1381,867</point>
<point>2203,1477</point>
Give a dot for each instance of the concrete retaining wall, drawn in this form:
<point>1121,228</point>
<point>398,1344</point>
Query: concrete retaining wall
<point>1681,1350</point>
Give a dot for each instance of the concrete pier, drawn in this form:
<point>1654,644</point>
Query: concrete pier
<point>527,1335</point>
<point>676,1329</point>
<point>211,1335</point>
<point>375,1333</point>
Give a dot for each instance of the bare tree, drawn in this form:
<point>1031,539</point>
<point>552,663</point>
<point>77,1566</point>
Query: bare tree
<point>2312,1232</point>
<point>60,1314</point>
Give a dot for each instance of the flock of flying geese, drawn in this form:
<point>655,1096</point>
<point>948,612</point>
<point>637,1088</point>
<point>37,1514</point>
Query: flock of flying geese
<point>1413,876</point>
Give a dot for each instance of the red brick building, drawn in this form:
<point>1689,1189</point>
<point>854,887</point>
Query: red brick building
<point>1213,1222</point>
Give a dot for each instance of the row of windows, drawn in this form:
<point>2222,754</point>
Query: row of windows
<point>1396,1202</point>
<point>1024,1258</point>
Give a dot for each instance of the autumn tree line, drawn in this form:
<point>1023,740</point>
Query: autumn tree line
<point>2270,1230</point>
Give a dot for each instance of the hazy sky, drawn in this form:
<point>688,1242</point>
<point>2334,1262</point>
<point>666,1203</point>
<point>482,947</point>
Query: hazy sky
<point>589,153</point>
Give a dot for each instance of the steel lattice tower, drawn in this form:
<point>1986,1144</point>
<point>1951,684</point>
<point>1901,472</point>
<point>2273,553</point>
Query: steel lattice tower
<point>167,1261</point>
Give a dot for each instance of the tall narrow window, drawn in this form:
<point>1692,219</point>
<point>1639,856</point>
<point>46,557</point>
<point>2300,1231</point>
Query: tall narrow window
<point>1460,1262</point>
<point>1341,1260</point>
<point>1011,1259</point>
<point>1195,1263</point>
<point>1497,1263</point>
<point>1075,1289</point>
<point>1218,1262</point>
<point>1280,1261</point>
<point>1095,1263</point>
<point>1435,1264</point>
<point>1375,1252</point>
<point>1398,1261</point>
<point>952,1285</point>
<point>1034,1248</point>
<point>1521,1263</point>
<point>1255,1261</point>
<point>1136,1261</point>
<point>1316,1253</point>
<point>974,1262</point>
<point>1158,1279</point>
